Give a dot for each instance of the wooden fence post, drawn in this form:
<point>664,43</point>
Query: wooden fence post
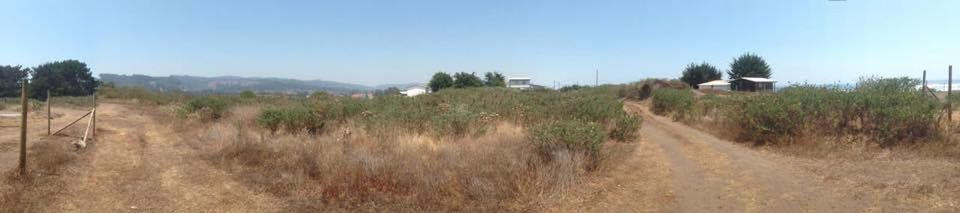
<point>94,132</point>
<point>48,113</point>
<point>23,129</point>
<point>949,104</point>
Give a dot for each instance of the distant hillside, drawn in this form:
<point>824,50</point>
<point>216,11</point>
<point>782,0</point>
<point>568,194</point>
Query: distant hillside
<point>231,84</point>
<point>399,86</point>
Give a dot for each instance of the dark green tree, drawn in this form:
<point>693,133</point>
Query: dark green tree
<point>62,78</point>
<point>465,80</point>
<point>440,80</point>
<point>573,87</point>
<point>495,79</point>
<point>749,65</point>
<point>10,79</point>
<point>699,73</point>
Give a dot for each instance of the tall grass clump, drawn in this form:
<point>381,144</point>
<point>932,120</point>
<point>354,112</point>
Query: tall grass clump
<point>678,103</point>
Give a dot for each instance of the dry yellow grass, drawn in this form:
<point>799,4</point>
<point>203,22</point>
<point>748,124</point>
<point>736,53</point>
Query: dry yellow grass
<point>351,170</point>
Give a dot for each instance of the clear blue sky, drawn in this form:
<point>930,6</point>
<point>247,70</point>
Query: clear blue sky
<point>396,41</point>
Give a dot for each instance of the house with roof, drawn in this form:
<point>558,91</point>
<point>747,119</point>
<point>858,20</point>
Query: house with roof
<point>752,84</point>
<point>722,85</point>
<point>415,91</point>
<point>518,82</point>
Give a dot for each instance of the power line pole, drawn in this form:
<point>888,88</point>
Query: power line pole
<point>596,78</point>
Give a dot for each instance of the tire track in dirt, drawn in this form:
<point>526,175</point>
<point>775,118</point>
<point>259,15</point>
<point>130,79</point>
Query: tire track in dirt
<point>138,163</point>
<point>730,178</point>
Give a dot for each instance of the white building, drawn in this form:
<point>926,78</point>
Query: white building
<point>715,85</point>
<point>518,82</point>
<point>414,91</point>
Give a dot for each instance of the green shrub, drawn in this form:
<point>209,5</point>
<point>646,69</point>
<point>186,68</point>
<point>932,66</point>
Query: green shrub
<point>676,102</point>
<point>626,128</point>
<point>572,135</point>
<point>887,111</point>
<point>456,122</point>
<point>292,119</point>
<point>205,107</point>
<point>247,94</point>
<point>270,118</point>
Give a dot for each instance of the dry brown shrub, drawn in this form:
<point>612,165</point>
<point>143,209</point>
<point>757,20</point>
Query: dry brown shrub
<point>391,169</point>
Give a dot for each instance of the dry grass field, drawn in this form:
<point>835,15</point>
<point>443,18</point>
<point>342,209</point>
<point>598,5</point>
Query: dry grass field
<point>148,158</point>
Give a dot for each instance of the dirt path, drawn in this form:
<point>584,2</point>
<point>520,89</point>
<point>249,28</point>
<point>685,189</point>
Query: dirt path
<point>679,169</point>
<point>138,163</point>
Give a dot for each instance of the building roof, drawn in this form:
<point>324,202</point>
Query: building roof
<point>758,80</point>
<point>715,83</point>
<point>518,78</point>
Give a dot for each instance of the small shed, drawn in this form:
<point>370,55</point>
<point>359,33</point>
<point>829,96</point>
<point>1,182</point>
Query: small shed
<point>752,84</point>
<point>414,91</point>
<point>715,85</point>
<point>518,82</point>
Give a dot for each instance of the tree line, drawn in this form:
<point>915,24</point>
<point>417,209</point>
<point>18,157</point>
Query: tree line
<point>61,78</point>
<point>442,80</point>
<point>747,65</point>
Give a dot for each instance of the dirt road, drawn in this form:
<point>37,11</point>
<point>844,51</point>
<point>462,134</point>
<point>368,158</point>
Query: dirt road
<point>679,169</point>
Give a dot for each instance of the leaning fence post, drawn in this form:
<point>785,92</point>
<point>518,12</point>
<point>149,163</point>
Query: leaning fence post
<point>23,129</point>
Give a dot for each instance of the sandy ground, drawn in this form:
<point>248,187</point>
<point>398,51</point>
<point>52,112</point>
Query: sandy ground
<point>139,163</point>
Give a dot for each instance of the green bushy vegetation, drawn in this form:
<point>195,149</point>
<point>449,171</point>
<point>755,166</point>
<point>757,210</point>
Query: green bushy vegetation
<point>641,90</point>
<point>626,128</point>
<point>205,107</point>
<point>292,119</point>
<point>574,135</point>
<point>456,112</point>
<point>678,103</point>
<point>886,111</point>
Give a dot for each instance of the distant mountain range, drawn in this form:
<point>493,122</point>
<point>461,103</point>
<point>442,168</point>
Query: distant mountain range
<point>233,84</point>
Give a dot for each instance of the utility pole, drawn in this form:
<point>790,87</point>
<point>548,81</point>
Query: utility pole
<point>23,129</point>
<point>596,78</point>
